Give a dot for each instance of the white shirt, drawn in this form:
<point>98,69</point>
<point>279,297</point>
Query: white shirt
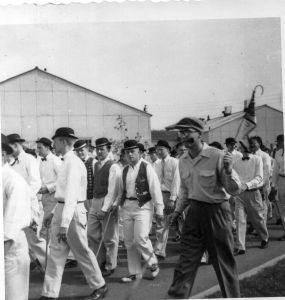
<point>71,185</point>
<point>48,170</point>
<point>250,171</point>
<point>16,203</point>
<point>236,155</point>
<point>153,182</point>
<point>154,164</point>
<point>170,182</point>
<point>113,184</point>
<point>266,160</point>
<point>278,166</point>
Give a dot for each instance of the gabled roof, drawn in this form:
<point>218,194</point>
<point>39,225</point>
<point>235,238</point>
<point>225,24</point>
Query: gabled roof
<point>74,84</point>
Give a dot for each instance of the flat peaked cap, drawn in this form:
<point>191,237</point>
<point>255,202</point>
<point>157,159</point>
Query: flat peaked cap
<point>79,145</point>
<point>5,144</point>
<point>186,123</point>
<point>163,143</point>
<point>102,142</point>
<point>47,142</point>
<point>130,144</point>
<point>14,138</point>
<point>151,150</point>
<point>64,132</point>
<point>230,140</point>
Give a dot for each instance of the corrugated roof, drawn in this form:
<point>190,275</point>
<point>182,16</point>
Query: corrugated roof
<point>164,135</point>
<point>72,83</point>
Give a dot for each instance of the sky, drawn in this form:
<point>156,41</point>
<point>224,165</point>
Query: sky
<point>177,68</point>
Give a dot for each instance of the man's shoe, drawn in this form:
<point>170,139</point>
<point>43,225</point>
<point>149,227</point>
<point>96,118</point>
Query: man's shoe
<point>279,222</point>
<point>154,269</point>
<point>47,298</point>
<point>282,238</point>
<point>238,252</point>
<point>107,273</point>
<point>70,263</point>
<point>131,278</point>
<point>98,294</point>
<point>159,257</point>
<point>263,245</point>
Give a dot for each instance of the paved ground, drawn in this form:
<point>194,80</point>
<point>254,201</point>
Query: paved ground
<point>74,286</point>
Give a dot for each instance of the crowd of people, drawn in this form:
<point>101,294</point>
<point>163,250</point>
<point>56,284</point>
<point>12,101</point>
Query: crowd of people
<point>66,204</point>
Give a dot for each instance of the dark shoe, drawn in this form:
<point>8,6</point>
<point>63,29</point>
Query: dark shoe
<point>70,263</point>
<point>279,222</point>
<point>282,238</point>
<point>131,278</point>
<point>98,294</point>
<point>106,273</point>
<point>263,245</point>
<point>159,257</point>
<point>47,298</point>
<point>238,252</point>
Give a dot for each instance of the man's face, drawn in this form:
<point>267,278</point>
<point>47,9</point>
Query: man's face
<point>102,152</point>
<point>181,150</point>
<point>42,150</point>
<point>162,152</point>
<point>190,137</point>
<point>153,156</point>
<point>58,145</point>
<point>254,145</point>
<point>82,153</point>
<point>16,148</point>
<point>230,147</point>
<point>133,155</point>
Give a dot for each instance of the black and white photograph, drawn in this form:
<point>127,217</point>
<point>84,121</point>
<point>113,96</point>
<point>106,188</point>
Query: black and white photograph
<point>142,150</point>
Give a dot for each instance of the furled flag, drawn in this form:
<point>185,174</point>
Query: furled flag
<point>248,122</point>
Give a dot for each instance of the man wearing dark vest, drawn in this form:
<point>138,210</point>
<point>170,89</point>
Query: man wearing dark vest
<point>107,176</point>
<point>139,193</point>
<point>81,149</point>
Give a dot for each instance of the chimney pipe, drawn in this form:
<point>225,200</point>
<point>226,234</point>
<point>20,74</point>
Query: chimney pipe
<point>227,111</point>
<point>245,104</point>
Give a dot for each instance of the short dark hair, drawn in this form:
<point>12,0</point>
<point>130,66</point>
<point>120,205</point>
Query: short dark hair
<point>216,145</point>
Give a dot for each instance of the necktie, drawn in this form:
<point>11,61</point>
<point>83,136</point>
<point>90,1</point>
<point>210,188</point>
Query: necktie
<point>16,161</point>
<point>162,170</point>
<point>44,159</point>
<point>246,158</point>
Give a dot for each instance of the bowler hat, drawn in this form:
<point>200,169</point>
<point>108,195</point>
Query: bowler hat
<point>79,145</point>
<point>14,138</point>
<point>230,140</point>
<point>151,150</point>
<point>5,144</point>
<point>162,143</point>
<point>102,142</point>
<point>130,144</point>
<point>47,142</point>
<point>141,147</point>
<point>187,123</point>
<point>64,132</point>
<point>280,138</point>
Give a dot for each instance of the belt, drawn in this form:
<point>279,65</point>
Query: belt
<point>132,198</point>
<point>165,192</point>
<point>282,175</point>
<point>62,202</point>
<point>253,190</point>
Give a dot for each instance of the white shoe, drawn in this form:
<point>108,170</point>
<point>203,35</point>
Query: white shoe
<point>131,278</point>
<point>154,269</point>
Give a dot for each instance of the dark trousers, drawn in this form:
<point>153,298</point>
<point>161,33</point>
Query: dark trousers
<point>206,227</point>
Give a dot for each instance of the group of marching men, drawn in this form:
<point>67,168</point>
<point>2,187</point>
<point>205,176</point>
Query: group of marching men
<point>89,204</point>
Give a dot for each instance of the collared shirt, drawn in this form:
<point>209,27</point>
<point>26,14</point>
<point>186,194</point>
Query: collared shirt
<point>71,185</point>
<point>93,161</point>
<point>154,164</point>
<point>113,184</point>
<point>167,171</point>
<point>266,161</point>
<point>250,171</point>
<point>204,178</point>
<point>16,203</point>
<point>153,182</point>
<point>278,166</point>
<point>48,170</point>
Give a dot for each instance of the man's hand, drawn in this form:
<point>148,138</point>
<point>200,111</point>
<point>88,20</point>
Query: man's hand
<point>172,218</point>
<point>243,187</point>
<point>101,215</point>
<point>228,162</point>
<point>47,220</point>
<point>169,208</point>
<point>62,235</point>
<point>114,209</point>
<point>43,190</point>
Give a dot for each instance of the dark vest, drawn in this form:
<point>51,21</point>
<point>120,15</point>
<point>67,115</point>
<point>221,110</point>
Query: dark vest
<point>90,177</point>
<point>101,181</point>
<point>141,184</point>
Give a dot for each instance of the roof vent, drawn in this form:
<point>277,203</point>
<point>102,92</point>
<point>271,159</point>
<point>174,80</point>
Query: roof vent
<point>227,111</point>
<point>245,104</point>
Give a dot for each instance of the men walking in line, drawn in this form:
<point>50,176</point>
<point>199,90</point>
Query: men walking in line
<point>168,175</point>
<point>68,227</point>
<point>207,177</point>
<point>249,202</point>
<point>278,177</point>
<point>81,149</point>
<point>102,224</point>
<point>16,217</point>
<point>140,193</point>
<point>27,166</point>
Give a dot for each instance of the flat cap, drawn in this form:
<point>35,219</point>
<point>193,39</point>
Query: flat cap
<point>186,123</point>
<point>79,145</point>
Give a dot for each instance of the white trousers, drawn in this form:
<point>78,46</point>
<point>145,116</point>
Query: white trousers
<point>48,203</point>
<point>249,204</point>
<point>77,242</point>
<point>95,228</point>
<point>17,269</point>
<point>137,222</point>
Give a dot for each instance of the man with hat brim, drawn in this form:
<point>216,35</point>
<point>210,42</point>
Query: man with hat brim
<point>207,177</point>
<point>106,188</point>
<point>68,227</point>
<point>153,156</point>
<point>16,216</point>
<point>168,175</point>
<point>278,177</point>
<point>249,202</point>
<point>49,168</point>
<point>139,194</point>
<point>142,150</point>
<point>27,166</point>
<point>81,149</point>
